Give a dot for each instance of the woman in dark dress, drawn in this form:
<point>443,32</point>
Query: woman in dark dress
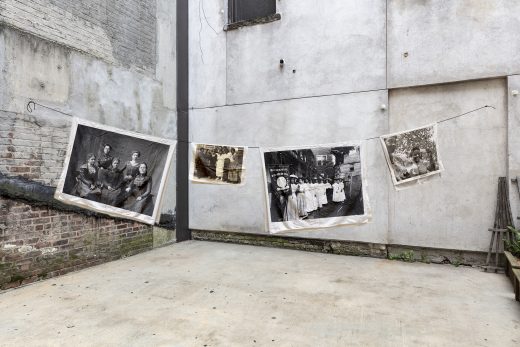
<point>86,181</point>
<point>132,167</point>
<point>235,166</point>
<point>105,159</point>
<point>139,191</point>
<point>111,181</point>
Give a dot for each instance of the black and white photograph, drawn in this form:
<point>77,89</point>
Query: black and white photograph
<point>217,164</point>
<point>314,187</point>
<point>412,154</point>
<point>114,171</point>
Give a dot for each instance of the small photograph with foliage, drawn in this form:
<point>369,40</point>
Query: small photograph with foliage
<point>412,154</point>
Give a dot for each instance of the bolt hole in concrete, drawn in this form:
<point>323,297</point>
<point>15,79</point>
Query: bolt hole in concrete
<point>299,299</point>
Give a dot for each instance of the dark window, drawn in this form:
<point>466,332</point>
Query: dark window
<point>240,10</point>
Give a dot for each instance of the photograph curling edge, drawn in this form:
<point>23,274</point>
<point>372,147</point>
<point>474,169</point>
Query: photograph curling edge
<point>407,167</point>
<point>104,208</point>
<point>241,174</point>
<point>274,227</point>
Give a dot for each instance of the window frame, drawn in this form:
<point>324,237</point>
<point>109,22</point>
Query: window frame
<point>234,23</point>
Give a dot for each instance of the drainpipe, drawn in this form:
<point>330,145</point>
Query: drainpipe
<point>183,232</point>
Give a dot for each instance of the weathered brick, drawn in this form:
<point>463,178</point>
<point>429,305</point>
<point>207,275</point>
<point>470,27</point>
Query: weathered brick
<point>19,169</point>
<point>95,241</point>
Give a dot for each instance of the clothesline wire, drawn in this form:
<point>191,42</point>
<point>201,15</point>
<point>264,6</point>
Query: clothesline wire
<point>31,106</point>
<point>377,137</point>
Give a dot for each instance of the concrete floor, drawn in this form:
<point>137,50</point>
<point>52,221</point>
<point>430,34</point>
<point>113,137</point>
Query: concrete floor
<point>214,294</point>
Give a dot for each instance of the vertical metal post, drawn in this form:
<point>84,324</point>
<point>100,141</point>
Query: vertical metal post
<point>182,228</point>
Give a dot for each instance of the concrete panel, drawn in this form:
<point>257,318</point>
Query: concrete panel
<point>335,47</point>
<point>207,46</point>
<point>285,123</point>
<point>442,41</point>
<point>3,67</point>
<point>35,69</point>
<point>166,69</point>
<point>454,210</point>
<point>118,97</point>
<point>513,143</point>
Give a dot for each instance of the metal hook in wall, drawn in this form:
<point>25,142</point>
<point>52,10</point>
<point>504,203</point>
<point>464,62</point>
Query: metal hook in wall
<point>30,107</point>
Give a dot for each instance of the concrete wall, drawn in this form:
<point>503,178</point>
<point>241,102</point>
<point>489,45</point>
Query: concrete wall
<point>513,142</point>
<point>349,57</point>
<point>112,62</point>
<point>455,209</point>
<point>243,65</point>
<point>441,41</point>
<point>286,123</point>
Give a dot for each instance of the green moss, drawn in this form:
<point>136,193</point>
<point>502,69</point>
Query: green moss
<point>17,278</point>
<point>142,242</point>
<point>407,256</point>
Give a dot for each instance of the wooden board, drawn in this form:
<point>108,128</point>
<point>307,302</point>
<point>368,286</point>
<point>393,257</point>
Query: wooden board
<point>514,261</point>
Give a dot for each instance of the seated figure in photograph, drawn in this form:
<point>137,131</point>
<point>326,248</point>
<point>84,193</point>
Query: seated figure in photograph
<point>111,182</point>
<point>418,165</point>
<point>417,162</point>
<point>86,181</point>
<point>138,193</point>
<point>132,167</point>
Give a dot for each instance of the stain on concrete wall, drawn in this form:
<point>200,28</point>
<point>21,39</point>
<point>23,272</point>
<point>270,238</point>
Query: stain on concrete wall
<point>35,69</point>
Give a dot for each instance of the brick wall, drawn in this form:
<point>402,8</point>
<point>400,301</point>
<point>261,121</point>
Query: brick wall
<point>33,148</point>
<point>38,242</point>
<point>118,31</point>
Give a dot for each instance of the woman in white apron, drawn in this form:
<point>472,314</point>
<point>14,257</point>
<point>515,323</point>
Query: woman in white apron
<point>316,191</point>
<point>341,194</point>
<point>301,200</point>
<point>291,209</point>
<point>309,197</point>
<point>322,193</point>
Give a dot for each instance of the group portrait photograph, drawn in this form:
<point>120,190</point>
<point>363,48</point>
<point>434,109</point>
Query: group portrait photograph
<point>115,172</point>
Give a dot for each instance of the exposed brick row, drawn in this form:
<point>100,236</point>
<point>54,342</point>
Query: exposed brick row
<point>38,242</point>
